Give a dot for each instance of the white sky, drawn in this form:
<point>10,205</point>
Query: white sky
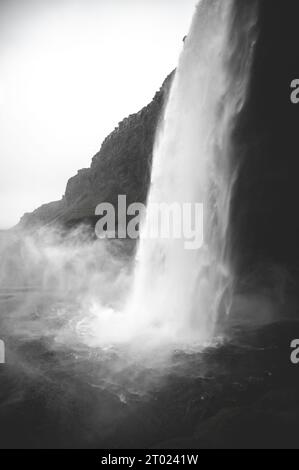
<point>70,71</point>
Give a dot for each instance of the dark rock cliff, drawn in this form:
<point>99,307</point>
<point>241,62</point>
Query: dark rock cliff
<point>265,222</point>
<point>122,166</point>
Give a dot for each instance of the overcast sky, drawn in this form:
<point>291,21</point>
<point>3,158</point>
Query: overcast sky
<point>70,71</point>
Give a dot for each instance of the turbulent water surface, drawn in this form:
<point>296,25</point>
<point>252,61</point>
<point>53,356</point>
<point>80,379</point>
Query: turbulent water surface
<point>241,393</point>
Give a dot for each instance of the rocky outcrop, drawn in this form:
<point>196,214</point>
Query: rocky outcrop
<point>122,166</point>
<point>47,213</point>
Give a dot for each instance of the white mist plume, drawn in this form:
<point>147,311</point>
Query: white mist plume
<point>53,278</point>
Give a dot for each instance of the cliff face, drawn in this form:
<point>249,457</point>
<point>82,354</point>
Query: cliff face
<point>122,166</point>
<point>265,223</point>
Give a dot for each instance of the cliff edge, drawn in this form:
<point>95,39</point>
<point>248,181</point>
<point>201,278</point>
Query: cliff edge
<point>122,166</point>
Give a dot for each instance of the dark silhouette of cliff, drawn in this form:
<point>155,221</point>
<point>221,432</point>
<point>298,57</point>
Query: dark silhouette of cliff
<point>122,166</point>
<point>264,217</point>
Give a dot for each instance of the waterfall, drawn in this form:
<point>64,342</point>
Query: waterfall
<point>177,292</point>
